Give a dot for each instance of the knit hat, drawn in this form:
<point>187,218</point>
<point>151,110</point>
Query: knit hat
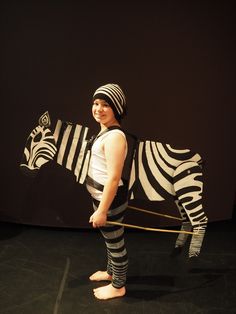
<point>114,96</point>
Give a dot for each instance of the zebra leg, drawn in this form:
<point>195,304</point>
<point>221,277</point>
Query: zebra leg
<point>186,226</point>
<point>188,187</point>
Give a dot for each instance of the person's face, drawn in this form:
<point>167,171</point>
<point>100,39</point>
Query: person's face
<point>102,112</point>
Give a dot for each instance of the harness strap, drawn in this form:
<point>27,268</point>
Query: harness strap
<point>91,182</point>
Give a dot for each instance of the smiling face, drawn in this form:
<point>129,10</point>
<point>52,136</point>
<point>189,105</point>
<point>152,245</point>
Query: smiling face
<point>103,113</point>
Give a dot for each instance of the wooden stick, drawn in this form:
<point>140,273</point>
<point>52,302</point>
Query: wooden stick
<point>154,213</point>
<point>149,229</point>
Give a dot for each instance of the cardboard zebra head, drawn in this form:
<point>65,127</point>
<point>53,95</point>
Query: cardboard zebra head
<point>40,147</point>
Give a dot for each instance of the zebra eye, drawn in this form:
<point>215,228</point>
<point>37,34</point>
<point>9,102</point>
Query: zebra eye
<point>37,138</point>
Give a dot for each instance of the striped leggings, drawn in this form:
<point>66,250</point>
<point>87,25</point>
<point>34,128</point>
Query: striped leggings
<point>117,258</point>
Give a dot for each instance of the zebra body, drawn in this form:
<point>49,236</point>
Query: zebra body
<point>161,160</point>
<point>160,172</point>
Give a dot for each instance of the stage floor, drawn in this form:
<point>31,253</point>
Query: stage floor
<point>45,271</point>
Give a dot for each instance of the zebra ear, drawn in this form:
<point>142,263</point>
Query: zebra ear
<point>44,120</point>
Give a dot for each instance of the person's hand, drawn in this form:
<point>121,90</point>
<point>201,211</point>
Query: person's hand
<point>98,219</point>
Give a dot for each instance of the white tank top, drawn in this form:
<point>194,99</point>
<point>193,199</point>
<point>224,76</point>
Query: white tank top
<point>98,166</point>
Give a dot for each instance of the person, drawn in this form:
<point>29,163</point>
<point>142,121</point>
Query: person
<point>108,190</point>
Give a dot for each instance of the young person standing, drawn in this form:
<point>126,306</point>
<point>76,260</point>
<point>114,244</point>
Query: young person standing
<point>108,190</point>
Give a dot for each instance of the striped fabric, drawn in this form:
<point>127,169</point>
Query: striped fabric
<point>114,95</point>
<point>117,258</point>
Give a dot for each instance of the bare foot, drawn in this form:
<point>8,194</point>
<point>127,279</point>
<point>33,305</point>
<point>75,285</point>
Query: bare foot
<point>100,276</point>
<point>108,292</point>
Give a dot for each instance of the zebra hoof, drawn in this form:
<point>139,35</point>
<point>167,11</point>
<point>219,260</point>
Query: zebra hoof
<point>176,251</point>
<point>193,264</point>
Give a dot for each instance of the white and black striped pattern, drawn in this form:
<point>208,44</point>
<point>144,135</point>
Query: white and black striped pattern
<point>115,95</point>
<point>160,172</point>
<point>117,258</point>
<point>39,149</point>
<point>72,148</point>
<point>154,167</point>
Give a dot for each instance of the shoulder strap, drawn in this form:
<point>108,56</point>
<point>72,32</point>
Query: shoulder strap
<point>95,137</point>
<point>114,127</point>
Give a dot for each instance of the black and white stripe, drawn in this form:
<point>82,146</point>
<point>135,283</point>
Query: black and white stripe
<point>117,258</point>
<point>40,148</point>
<point>154,167</point>
<point>160,172</point>
<point>114,94</point>
<point>72,143</point>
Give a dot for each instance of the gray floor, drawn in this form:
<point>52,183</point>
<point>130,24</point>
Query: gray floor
<point>45,271</point>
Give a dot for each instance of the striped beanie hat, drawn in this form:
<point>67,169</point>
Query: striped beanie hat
<point>114,96</point>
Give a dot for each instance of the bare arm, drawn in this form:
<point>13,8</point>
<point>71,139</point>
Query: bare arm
<point>114,149</point>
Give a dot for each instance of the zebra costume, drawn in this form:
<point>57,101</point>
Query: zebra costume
<point>158,172</point>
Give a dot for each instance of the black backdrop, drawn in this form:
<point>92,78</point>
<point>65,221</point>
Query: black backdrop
<point>174,59</point>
